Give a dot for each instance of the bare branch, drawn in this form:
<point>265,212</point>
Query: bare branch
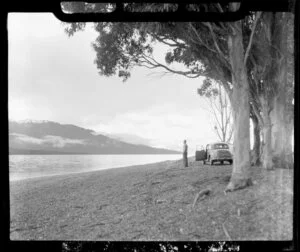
<point>147,66</point>
<point>216,129</point>
<point>216,43</point>
<point>215,115</point>
<point>151,63</point>
<point>158,74</point>
<point>230,135</point>
<point>200,40</point>
<point>219,7</point>
<point>164,41</point>
<point>251,36</point>
<point>221,110</point>
<point>228,117</point>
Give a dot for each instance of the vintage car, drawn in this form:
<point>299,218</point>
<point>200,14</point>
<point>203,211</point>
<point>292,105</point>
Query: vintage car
<point>215,152</point>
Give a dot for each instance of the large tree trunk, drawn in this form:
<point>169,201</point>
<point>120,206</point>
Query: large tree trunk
<point>282,134</point>
<point>256,154</point>
<point>267,136</point>
<point>241,112</point>
<point>282,114</point>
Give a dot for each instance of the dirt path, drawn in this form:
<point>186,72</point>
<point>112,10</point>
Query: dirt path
<point>153,202</point>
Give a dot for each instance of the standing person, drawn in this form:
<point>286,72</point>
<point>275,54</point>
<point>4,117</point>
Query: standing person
<point>185,152</point>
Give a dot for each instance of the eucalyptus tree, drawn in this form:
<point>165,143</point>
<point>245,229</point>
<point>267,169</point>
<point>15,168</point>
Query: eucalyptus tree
<point>217,50</point>
<point>219,107</point>
<point>282,115</point>
<point>271,77</point>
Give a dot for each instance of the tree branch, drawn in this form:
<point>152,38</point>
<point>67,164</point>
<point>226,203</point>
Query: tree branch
<point>215,115</point>
<point>228,116</point>
<point>251,36</point>
<point>216,129</point>
<point>219,7</point>
<point>164,41</point>
<point>200,40</point>
<point>151,63</point>
<point>216,43</point>
<point>230,134</point>
<point>221,110</point>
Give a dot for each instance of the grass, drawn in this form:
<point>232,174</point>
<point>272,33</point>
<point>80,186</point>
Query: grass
<point>154,202</point>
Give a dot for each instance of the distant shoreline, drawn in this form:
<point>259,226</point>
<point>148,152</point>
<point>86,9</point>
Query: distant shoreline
<point>150,160</point>
<point>95,154</point>
<point>98,172</point>
<point>13,151</point>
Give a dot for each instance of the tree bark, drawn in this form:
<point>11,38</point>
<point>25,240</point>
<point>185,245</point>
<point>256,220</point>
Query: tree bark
<point>267,136</point>
<point>256,152</point>
<point>240,177</point>
<point>282,136</point>
<point>282,114</point>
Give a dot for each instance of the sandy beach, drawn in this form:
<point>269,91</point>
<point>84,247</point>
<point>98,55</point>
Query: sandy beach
<point>153,202</point>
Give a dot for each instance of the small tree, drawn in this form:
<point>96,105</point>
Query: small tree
<point>219,107</point>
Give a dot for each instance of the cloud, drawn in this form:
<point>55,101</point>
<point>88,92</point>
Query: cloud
<point>27,139</point>
<point>130,138</point>
<point>55,141</point>
<point>60,142</point>
<point>165,126</point>
<point>24,108</point>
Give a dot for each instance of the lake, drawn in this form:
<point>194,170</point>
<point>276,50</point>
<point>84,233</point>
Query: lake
<point>31,166</point>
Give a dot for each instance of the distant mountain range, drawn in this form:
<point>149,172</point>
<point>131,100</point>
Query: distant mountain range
<point>46,137</point>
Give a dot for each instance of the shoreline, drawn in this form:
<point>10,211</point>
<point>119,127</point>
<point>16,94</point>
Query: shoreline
<point>90,154</point>
<point>140,166</point>
<point>152,202</point>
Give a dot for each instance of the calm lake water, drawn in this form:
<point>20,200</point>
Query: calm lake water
<point>31,166</point>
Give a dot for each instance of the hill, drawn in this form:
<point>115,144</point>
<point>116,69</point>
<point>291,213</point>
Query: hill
<point>46,137</point>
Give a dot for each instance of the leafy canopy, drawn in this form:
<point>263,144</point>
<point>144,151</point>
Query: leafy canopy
<point>200,47</point>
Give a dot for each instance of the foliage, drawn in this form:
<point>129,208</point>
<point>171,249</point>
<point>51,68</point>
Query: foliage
<point>201,48</point>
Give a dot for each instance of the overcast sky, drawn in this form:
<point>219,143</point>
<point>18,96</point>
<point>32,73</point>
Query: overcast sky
<point>53,77</point>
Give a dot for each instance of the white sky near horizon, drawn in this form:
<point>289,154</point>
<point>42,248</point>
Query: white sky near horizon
<point>53,77</point>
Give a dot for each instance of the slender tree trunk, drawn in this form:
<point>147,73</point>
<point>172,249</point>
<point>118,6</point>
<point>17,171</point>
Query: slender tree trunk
<point>241,112</point>
<point>256,154</point>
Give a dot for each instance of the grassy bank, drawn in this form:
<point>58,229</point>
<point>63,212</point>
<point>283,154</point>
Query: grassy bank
<point>153,202</point>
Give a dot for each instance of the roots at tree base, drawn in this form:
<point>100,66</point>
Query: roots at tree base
<point>238,183</point>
